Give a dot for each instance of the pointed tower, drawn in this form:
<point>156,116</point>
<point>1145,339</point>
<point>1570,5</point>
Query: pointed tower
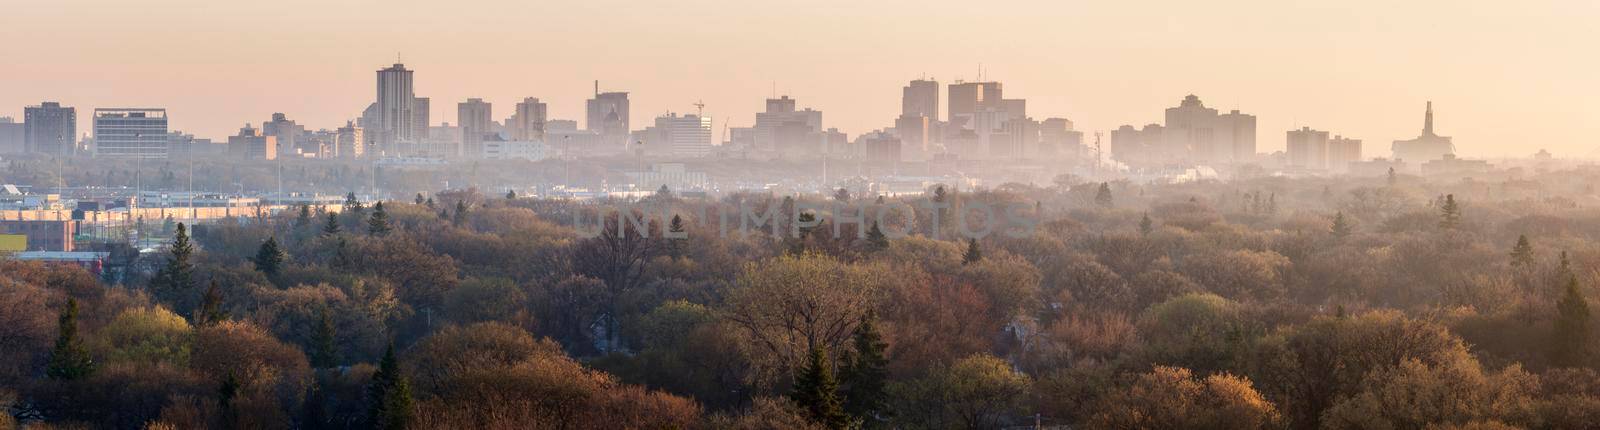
<point>1427,121</point>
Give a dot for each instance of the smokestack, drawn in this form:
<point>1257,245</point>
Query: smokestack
<point>597,91</point>
<point>1427,122</point>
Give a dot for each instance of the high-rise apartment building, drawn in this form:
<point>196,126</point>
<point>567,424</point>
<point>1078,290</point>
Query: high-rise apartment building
<point>1341,152</point>
<point>395,109</point>
<point>50,128</point>
<point>288,135</point>
<point>528,123</point>
<point>476,118</point>
<point>920,98</point>
<point>350,141</point>
<point>687,135</point>
<point>130,133</point>
<point>1307,149</point>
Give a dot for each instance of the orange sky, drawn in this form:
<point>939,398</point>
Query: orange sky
<point>1506,79</point>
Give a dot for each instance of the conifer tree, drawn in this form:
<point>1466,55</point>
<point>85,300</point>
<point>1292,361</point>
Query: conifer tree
<point>841,195</point>
<point>1522,253</point>
<point>1145,225</point>
<point>332,226</point>
<point>1102,197</point>
<point>176,279</point>
<point>304,219</point>
<point>69,360</point>
<point>225,395</point>
<point>1341,227</point>
<point>383,394</point>
<point>324,347</point>
<point>973,254</point>
<point>419,199</point>
<point>428,203</point>
<point>817,392</point>
<point>378,224</point>
<point>511,194</point>
<point>1449,213</point>
<point>461,213</point>
<point>352,205</point>
<point>341,255</point>
<point>210,306</point>
<point>876,240</point>
<point>1571,339</point>
<point>1392,177</point>
<point>269,257</point>
<point>865,375</point>
<point>675,247</point>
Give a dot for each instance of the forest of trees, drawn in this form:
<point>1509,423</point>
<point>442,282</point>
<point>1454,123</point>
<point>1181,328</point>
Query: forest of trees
<point>1259,304</point>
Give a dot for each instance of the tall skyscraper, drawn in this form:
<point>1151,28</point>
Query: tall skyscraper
<point>50,128</point>
<point>920,98</point>
<point>1426,147</point>
<point>788,132</point>
<point>130,133</point>
<point>528,123</point>
<point>476,118</point>
<point>396,110</point>
<point>1192,133</point>
<point>686,135</point>
<point>968,98</point>
<point>608,115</point>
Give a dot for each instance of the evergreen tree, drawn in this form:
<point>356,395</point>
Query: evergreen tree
<point>1392,178</point>
<point>939,195</point>
<point>461,213</point>
<point>1145,225</point>
<point>69,360</point>
<point>1571,339</point>
<point>341,256</point>
<point>841,195</point>
<point>817,392</point>
<point>210,306</point>
<point>428,203</point>
<point>973,254</point>
<point>304,219</point>
<point>664,192</point>
<point>1449,213</point>
<point>324,347</point>
<point>876,240</point>
<point>675,246</point>
<point>511,194</point>
<point>865,375</point>
<point>1341,227</point>
<point>225,395</point>
<point>398,407</point>
<point>352,205</point>
<point>379,398</point>
<point>332,226</point>
<point>174,283</point>
<point>1102,197</point>
<point>1522,253</point>
<point>419,199</point>
<point>378,225</point>
<point>269,257</point>
<point>314,412</point>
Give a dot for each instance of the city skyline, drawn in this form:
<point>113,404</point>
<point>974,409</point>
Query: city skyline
<point>1361,70</point>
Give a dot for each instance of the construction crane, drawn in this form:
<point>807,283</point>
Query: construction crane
<point>700,108</point>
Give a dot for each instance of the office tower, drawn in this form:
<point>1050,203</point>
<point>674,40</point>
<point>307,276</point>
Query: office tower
<point>421,116</point>
<point>50,128</point>
<point>1426,147</point>
<point>288,135</point>
<point>528,123</point>
<point>788,132</point>
<point>476,117</point>
<point>396,113</point>
<point>1307,149</point>
<point>1057,137</point>
<point>915,137</point>
<point>1342,152</point>
<point>608,115</point>
<point>920,98</point>
<point>1238,132</point>
<point>350,141</point>
<point>130,133</point>
<point>13,136</point>
<point>250,144</point>
<point>1192,133</point>
<point>1137,145</point>
<point>687,135</point>
<point>881,147</point>
<point>968,98</point>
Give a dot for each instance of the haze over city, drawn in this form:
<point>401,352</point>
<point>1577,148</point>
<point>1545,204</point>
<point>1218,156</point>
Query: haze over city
<point>1503,76</point>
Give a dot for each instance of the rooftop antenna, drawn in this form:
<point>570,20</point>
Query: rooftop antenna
<point>597,87</point>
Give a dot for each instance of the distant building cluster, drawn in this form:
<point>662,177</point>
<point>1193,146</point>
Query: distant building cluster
<point>961,121</point>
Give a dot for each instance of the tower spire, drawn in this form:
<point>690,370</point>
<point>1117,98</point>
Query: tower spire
<point>1427,122</point>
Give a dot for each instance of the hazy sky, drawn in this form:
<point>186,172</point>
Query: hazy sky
<point>1505,78</point>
